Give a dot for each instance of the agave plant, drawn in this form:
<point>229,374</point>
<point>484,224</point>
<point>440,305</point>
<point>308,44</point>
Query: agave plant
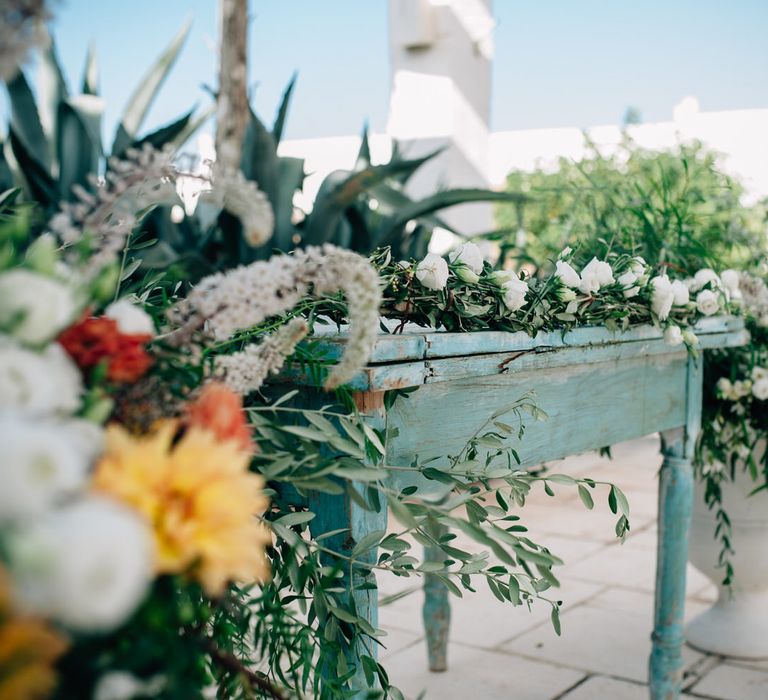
<point>55,141</point>
<point>362,209</point>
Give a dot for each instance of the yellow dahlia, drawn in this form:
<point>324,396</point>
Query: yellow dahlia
<point>199,496</point>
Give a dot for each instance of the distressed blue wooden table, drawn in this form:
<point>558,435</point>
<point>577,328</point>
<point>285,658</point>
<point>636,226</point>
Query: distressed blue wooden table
<point>597,387</point>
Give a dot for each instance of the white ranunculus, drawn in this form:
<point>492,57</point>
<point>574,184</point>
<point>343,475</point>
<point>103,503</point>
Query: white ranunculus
<point>567,275</point>
<point>704,277</point>
<point>432,272</point>
<point>514,292</point>
<point>707,302</point>
<point>680,290</point>
<point>468,254</point>
<point>673,335</point>
<point>760,389</point>
<point>38,383</point>
<point>131,319</point>
<point>595,275</point>
<point>662,296</point>
<point>34,308</point>
<point>42,461</point>
<point>87,565</point>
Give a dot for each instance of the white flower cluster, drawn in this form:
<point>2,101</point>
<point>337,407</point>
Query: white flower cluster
<point>144,177</point>
<point>22,27</point>
<point>705,294</point>
<point>755,298</point>
<point>467,264</point>
<point>246,371</point>
<point>62,551</point>
<point>756,385</point>
<point>242,198</point>
<point>245,296</point>
<point>595,275</point>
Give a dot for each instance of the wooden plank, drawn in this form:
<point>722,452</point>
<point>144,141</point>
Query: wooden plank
<point>385,377</point>
<point>425,344</point>
<point>588,406</point>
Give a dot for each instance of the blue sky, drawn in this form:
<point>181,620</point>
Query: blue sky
<point>558,62</point>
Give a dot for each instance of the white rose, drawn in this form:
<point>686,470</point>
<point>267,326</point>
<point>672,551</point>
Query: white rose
<point>565,294</point>
<point>34,308</point>
<point>514,293</point>
<point>131,319</point>
<point>38,383</point>
<point>704,277</point>
<point>43,461</point>
<point>673,335</point>
<point>596,274</point>
<point>760,389</point>
<point>759,373</point>
<point>681,294</point>
<point>87,565</point>
<point>662,297</point>
<point>707,302</point>
<point>567,275</point>
<point>469,255</point>
<point>432,272</point>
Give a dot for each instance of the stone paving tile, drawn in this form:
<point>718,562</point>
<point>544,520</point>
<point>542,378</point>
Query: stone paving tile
<point>730,682</point>
<point>629,566</point>
<point>601,688</point>
<point>396,640</point>
<point>480,619</point>
<point>609,635</point>
<point>480,675</point>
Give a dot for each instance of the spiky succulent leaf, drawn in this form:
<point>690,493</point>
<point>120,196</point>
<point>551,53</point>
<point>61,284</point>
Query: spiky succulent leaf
<point>25,121</point>
<point>282,110</point>
<point>142,97</point>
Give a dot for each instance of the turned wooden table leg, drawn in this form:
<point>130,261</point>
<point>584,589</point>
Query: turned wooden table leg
<point>436,611</point>
<point>675,504</point>
<point>345,513</point>
<point>675,496</point>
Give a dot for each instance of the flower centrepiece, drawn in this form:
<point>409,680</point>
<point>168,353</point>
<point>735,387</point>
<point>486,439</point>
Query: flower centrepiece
<point>196,491</point>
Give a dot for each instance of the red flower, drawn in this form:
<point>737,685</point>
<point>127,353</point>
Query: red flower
<point>96,339</point>
<point>220,410</point>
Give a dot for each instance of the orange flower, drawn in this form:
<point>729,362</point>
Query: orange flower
<point>28,650</point>
<point>199,496</point>
<point>220,410</point>
<point>95,339</point>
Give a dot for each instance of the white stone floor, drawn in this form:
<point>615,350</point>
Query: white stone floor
<point>497,651</point>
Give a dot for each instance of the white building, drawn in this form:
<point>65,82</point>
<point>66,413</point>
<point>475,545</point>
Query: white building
<point>441,53</point>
